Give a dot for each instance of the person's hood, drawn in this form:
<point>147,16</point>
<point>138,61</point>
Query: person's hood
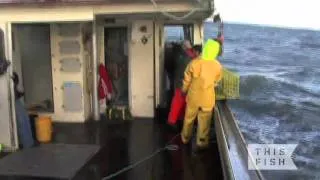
<point>210,50</point>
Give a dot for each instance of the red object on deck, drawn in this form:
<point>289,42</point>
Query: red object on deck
<point>178,106</point>
<point>105,84</point>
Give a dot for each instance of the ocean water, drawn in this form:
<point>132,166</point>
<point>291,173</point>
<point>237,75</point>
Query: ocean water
<point>280,90</point>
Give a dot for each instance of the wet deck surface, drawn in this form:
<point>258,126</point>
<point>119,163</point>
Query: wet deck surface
<point>125,142</point>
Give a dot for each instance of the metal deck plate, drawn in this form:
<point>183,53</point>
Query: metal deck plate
<point>61,161</point>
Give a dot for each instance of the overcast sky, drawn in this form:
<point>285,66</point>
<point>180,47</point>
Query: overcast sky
<point>287,13</point>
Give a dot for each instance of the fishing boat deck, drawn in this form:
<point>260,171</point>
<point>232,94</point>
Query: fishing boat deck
<point>125,142</point>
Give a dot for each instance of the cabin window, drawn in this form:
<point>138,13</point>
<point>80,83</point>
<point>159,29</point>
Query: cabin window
<point>32,62</point>
<point>178,33</point>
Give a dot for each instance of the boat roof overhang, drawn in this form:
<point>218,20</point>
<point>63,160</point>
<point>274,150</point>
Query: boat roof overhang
<point>196,16</point>
<point>93,2</point>
<point>88,10</point>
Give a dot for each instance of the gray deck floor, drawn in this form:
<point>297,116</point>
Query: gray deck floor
<point>125,142</point>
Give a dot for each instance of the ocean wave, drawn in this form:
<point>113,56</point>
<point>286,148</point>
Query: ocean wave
<point>255,49</point>
<point>280,88</point>
<point>258,83</point>
<point>312,45</point>
<point>249,84</point>
<point>230,39</point>
<point>266,109</point>
<point>307,162</point>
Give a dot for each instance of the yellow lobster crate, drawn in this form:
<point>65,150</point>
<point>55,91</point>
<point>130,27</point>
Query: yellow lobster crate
<point>228,87</point>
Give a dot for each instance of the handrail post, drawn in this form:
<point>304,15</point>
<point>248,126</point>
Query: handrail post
<point>95,100</point>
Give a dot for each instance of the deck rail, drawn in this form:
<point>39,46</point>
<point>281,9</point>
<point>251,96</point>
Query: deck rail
<point>232,146</point>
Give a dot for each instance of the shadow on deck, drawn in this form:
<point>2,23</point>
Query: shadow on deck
<point>126,142</point>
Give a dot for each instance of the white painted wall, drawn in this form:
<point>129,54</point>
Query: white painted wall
<point>87,65</point>
<point>159,62</point>
<point>8,130</point>
<point>60,77</point>
<point>198,32</point>
<point>142,69</point>
<point>5,120</point>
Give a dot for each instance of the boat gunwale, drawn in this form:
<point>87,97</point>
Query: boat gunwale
<point>229,116</point>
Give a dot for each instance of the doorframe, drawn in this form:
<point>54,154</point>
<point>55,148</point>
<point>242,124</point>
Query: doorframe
<point>159,71</point>
<point>128,27</point>
<point>15,40</point>
<point>11,85</point>
<point>8,54</point>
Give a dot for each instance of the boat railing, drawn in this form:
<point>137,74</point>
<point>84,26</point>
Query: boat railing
<point>232,146</point>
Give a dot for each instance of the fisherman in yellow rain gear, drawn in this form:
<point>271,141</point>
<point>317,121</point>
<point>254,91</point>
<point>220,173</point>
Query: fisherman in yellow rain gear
<point>200,78</point>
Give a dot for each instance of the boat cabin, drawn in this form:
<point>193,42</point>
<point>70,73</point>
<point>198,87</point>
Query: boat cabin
<point>57,47</point>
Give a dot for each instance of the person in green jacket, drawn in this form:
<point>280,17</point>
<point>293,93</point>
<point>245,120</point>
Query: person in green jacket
<point>185,55</point>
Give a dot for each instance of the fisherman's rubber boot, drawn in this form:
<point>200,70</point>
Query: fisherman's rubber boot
<point>200,149</point>
<point>186,147</point>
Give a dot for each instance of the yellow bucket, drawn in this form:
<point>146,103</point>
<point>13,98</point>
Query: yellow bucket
<point>44,129</point>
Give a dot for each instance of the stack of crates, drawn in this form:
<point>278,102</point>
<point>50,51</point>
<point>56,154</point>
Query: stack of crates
<point>228,87</point>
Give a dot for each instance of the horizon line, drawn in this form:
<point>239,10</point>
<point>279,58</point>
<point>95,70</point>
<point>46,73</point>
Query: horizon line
<point>268,25</point>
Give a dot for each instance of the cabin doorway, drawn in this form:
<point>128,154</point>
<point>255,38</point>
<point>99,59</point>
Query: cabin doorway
<point>174,35</point>
<point>32,63</point>
<point>116,61</point>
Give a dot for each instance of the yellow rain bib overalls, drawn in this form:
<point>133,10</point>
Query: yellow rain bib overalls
<point>200,78</point>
